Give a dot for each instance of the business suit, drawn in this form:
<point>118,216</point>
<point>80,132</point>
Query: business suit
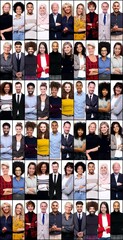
<point>43,229</point>
<point>116,191</point>
<point>15,152</point>
<point>67,152</point>
<point>31,231</point>
<point>18,108</point>
<point>93,107</point>
<point>55,31</point>
<point>55,187</point>
<point>15,65</point>
<point>76,225</point>
<point>104,29</point>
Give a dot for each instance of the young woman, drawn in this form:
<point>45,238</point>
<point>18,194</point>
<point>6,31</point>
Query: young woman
<point>6,20</point>
<point>104,222</point>
<point>6,101</point>
<point>18,222</point>
<point>116,62</point>
<point>80,23</point>
<point>117,102</point>
<point>43,62</point>
<point>5,182</point>
<point>104,105</point>
<point>30,182</point>
<point>55,62</point>
<point>104,181</point>
<point>43,103</point>
<point>43,140</point>
<point>92,22</point>
<point>30,141</point>
<point>104,150</point>
<point>30,221</point>
<point>91,63</point>
<point>104,61</point>
<point>67,100</point>
<point>55,101</point>
<point>80,182</point>
<point>79,141</point>
<point>18,21</point>
<point>79,61</point>
<point>116,141</point>
<point>67,63</point>
<point>43,22</point>
<point>18,143</point>
<point>67,22</point>
<point>43,180</point>
<point>67,181</point>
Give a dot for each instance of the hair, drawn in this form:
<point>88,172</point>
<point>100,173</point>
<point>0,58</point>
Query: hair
<point>21,217</point>
<point>104,45</point>
<point>39,165</point>
<point>79,82</point>
<point>7,204</point>
<point>67,123</point>
<point>79,203</point>
<point>64,5</point>
<point>107,125</point>
<point>31,163</point>
<point>18,43</point>
<point>30,203</point>
<point>92,204</point>
<point>6,124</point>
<point>92,4</point>
<point>29,3</point>
<point>17,83</point>
<point>31,84</point>
<point>91,163</point>
<point>20,165</point>
<point>30,125</point>
<point>69,204</point>
<point>5,4</point>
<point>80,164</point>
<point>20,4</point>
<point>69,164</point>
<point>19,124</point>
<point>102,86</point>
<point>3,86</point>
<point>7,43</point>
<point>83,48</point>
<point>91,83</point>
<point>56,85</point>
<point>83,14</point>
<point>70,45</point>
<point>45,45</point>
<point>121,47</point>
<point>54,122</point>
<point>105,3</point>
<point>71,93</point>
<point>53,4</point>
<point>112,128</point>
<point>106,205</point>
<point>116,2</point>
<point>54,202</point>
<point>43,84</point>
<point>39,133</point>
<point>53,163</point>
<point>91,124</point>
<point>116,202</point>
<point>120,85</point>
<point>30,44</point>
<point>44,203</point>
<point>55,42</point>
<point>77,126</point>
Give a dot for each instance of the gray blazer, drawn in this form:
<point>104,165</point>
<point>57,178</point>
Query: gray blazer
<point>76,65</point>
<point>118,107</point>
<point>76,226</point>
<point>68,189</point>
<point>42,230</point>
<point>113,146</point>
<point>22,64</point>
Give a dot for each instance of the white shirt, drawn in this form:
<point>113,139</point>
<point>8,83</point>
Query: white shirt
<point>44,64</point>
<point>105,224</point>
<point>80,215</point>
<point>19,55</point>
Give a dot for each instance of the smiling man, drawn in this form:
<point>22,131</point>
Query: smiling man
<point>6,142</point>
<point>30,22</point>
<point>55,221</point>
<point>116,22</point>
<point>30,102</point>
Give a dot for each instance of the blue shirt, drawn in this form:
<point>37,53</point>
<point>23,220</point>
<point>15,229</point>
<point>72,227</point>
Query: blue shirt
<point>79,105</point>
<point>17,185</point>
<point>55,145</point>
<point>103,65</point>
<point>117,20</point>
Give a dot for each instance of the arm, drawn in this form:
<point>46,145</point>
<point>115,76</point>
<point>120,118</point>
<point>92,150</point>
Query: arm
<point>82,149</point>
<point>106,109</point>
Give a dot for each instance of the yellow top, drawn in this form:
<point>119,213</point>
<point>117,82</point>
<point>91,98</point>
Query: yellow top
<point>67,106</point>
<point>79,24</point>
<point>17,224</point>
<point>43,146</point>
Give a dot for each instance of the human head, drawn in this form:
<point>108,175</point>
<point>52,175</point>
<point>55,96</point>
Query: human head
<point>91,87</point>
<point>6,88</point>
<point>6,128</point>
<point>80,10</point>
<point>104,208</point>
<point>54,88</point>
<point>18,46</point>
<point>118,49</point>
<point>5,168</point>
<point>116,206</point>
<point>104,90</point>
<point>29,8</point>
<point>79,206</point>
<point>118,88</point>
<point>80,130</point>
<point>19,6</point>
<point>55,46</point>
<point>92,127</point>
<point>54,126</point>
<point>67,48</point>
<point>67,9</point>
<point>116,167</point>
<point>92,207</point>
<point>80,167</point>
<point>104,48</point>
<point>30,126</point>
<point>116,7</point>
<point>79,86</point>
<point>30,88</point>
<point>105,7</point>
<point>42,49</point>
<point>31,169</point>
<point>30,205</point>
<point>66,127</point>
<point>5,208</point>
<point>55,8</point>
<point>42,9</point>
<point>18,87</point>
<point>69,167</point>
<point>92,6</point>
<point>55,206</point>
<point>43,168</point>
<point>18,128</point>
<point>104,169</point>
<point>6,7</point>
<point>7,47</point>
<point>55,167</point>
<point>18,168</point>
<point>68,207</point>
<point>104,128</point>
<point>91,168</point>
<point>79,48</point>
<point>116,128</point>
<point>43,207</point>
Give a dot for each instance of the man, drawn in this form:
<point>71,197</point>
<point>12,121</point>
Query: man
<point>67,142</point>
<point>18,62</point>
<point>116,182</point>
<point>55,222</point>
<point>43,222</point>
<point>55,141</point>
<point>79,101</point>
<point>18,180</point>
<point>91,102</point>
<point>55,20</point>
<point>55,182</point>
<point>116,22</point>
<point>30,60</point>
<point>104,22</point>
<point>91,221</point>
<point>79,222</point>
<point>92,182</point>
<point>6,222</point>
<point>30,22</point>
<point>30,103</point>
<point>18,102</point>
<point>116,222</point>
<point>6,143</point>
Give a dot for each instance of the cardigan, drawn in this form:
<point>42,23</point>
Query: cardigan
<point>39,68</point>
<point>100,226</point>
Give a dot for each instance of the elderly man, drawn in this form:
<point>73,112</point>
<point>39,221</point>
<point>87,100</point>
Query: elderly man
<point>55,20</point>
<point>116,182</point>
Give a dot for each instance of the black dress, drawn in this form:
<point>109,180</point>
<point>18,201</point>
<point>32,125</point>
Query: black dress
<point>6,22</point>
<point>104,150</point>
<point>92,141</point>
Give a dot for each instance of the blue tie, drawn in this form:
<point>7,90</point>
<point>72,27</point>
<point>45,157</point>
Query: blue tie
<point>43,218</point>
<point>104,19</point>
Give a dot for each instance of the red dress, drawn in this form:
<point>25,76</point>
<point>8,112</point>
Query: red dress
<point>90,65</point>
<point>4,184</point>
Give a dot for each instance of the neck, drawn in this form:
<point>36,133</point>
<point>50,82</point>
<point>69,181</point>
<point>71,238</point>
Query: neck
<point>104,58</point>
<point>18,178</point>
<point>6,214</point>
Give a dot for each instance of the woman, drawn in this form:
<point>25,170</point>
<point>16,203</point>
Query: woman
<point>18,180</point>
<point>117,62</point>
<point>67,22</point>
<point>104,150</point>
<point>55,62</point>
<point>91,63</point>
<point>6,221</point>
<point>18,222</point>
<point>116,222</point>
<point>79,141</point>
<point>30,182</point>
<point>6,62</point>
<point>43,22</point>
<point>104,222</point>
<point>55,101</point>
<point>116,141</point>
<point>80,182</point>
<point>30,221</point>
<point>104,61</point>
<point>104,105</point>
<point>79,61</point>
<point>6,20</point>
<point>92,22</point>
<point>18,21</point>
<point>67,181</point>
<point>18,143</point>
<point>67,63</point>
<point>42,62</point>
<point>67,100</point>
<point>104,181</point>
<point>6,101</point>
<point>43,140</point>
<point>80,23</point>
<point>43,103</point>
<point>30,141</point>
<point>67,222</point>
<point>117,102</point>
<point>43,180</point>
<point>5,182</point>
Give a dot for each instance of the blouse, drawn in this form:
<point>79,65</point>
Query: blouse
<point>18,223</point>
<point>79,23</point>
<point>43,146</point>
<point>89,65</point>
<point>30,183</point>
<point>116,63</point>
<point>67,106</point>
<point>17,22</point>
<point>43,182</point>
<point>78,182</point>
<point>3,185</point>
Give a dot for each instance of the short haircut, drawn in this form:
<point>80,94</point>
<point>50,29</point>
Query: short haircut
<point>91,163</point>
<point>79,203</point>
<point>17,83</point>
<point>18,43</point>
<point>31,84</point>
<point>55,163</point>
<point>67,122</point>
<point>30,203</point>
<point>91,83</point>
<point>6,124</point>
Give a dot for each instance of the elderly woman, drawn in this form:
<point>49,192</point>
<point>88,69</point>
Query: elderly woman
<point>18,21</point>
<point>92,22</point>
<point>67,181</point>
<point>6,62</point>
<point>104,181</point>
<point>6,22</point>
<point>67,222</point>
<point>67,22</point>
<point>43,22</point>
<point>117,102</point>
<point>80,182</point>
<point>5,182</point>
<point>30,221</point>
<point>80,23</point>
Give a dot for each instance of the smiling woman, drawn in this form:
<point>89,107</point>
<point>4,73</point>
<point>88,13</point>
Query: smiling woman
<point>6,22</point>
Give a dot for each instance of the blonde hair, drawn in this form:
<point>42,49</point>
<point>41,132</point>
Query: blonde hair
<point>7,43</point>
<point>5,204</point>
<point>83,13</point>
<point>6,4</point>
<point>21,217</point>
<point>68,5</point>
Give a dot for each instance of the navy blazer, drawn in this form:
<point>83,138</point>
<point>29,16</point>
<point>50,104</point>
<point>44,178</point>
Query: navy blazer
<point>93,107</point>
<point>116,191</point>
<point>69,147</point>
<point>55,31</point>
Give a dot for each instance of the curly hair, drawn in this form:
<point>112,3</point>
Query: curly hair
<point>92,204</point>
<point>102,86</point>
<point>71,93</point>
<point>20,165</point>
<point>77,126</point>
<point>106,205</point>
<point>83,165</point>
<point>30,125</point>
<point>39,133</point>
<point>45,45</point>
<point>3,86</point>
<point>112,128</point>
<point>120,85</point>
<point>39,165</point>
<point>31,163</point>
<point>83,48</point>
<point>104,45</point>
<point>69,164</point>
<point>30,44</point>
<point>20,4</point>
<point>54,84</point>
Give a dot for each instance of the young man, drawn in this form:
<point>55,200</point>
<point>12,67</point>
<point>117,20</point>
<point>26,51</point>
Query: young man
<point>79,222</point>
<point>18,61</point>
<point>6,143</point>
<point>18,102</point>
<point>55,182</point>
<point>30,22</point>
<point>55,141</point>
<point>30,103</point>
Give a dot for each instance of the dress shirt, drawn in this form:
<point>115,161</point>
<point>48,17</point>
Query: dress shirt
<point>116,176</point>
<point>117,20</point>
<point>6,149</point>
<point>55,219</point>
<point>42,218</point>
<point>17,185</point>
<point>18,54</point>
<point>79,105</point>
<point>55,143</point>
<point>103,65</point>
<point>79,214</point>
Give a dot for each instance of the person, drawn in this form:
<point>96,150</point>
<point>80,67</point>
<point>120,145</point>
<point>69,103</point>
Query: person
<point>55,21</point>
<point>55,141</point>
<point>6,142</point>
<point>18,60</point>
<point>43,140</point>
<point>104,104</point>
<point>104,61</point>
<point>6,62</point>
<point>30,60</point>
<point>91,182</point>
<point>18,102</point>
<point>67,100</point>
<point>79,61</point>
<point>30,141</point>
<point>55,221</point>
<point>6,101</point>
<point>80,23</point>
<point>67,222</point>
<point>80,181</point>
<point>43,222</point>
<point>116,62</point>
<point>104,22</point>
<point>18,222</point>
<point>43,103</point>
<point>116,222</point>
<point>55,182</point>
<point>43,21</point>
<point>67,62</point>
<point>67,181</point>
<point>30,103</point>
<point>67,22</point>
<point>79,101</point>
<point>67,141</point>
<point>91,220</point>
<point>117,102</point>
<point>104,150</point>
<point>116,182</point>
<point>30,22</point>
<point>31,182</point>
<point>79,141</point>
<point>42,62</point>
<point>43,180</point>
<point>18,21</point>
<point>5,182</point>
<point>116,22</point>
<point>116,141</point>
<point>91,63</point>
<point>92,143</point>
<point>18,142</point>
<point>104,222</point>
<point>104,181</point>
<point>55,58</point>
<point>92,22</point>
<point>30,221</point>
<point>79,218</point>
<point>18,180</point>
<point>55,101</point>
<point>6,222</point>
<point>6,22</point>
<point>91,107</point>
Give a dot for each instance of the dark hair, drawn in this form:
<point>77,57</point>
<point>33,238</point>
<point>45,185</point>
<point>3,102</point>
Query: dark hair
<point>39,165</point>
<point>91,163</point>
<point>54,122</point>
<point>55,163</point>
<point>79,203</point>
<point>112,128</point>
<point>29,3</point>
<point>104,85</point>
<point>120,85</point>
<point>20,165</point>
<point>120,44</point>
<point>30,44</point>
<point>19,124</point>
<point>39,133</point>
<point>18,83</point>
<point>92,204</point>
<point>20,4</point>
<point>80,164</point>
<point>31,84</point>
<point>56,85</point>
<point>79,82</point>
<point>77,126</point>
<point>67,123</point>
<point>93,4</point>
<point>104,45</point>
<point>30,203</point>
<point>69,164</point>
<point>43,84</point>
<point>71,93</point>
<point>3,86</point>
<point>83,48</point>
<point>91,83</point>
<point>6,124</point>
<point>31,163</point>
<point>18,43</point>
<point>45,45</point>
<point>106,205</point>
<point>30,124</point>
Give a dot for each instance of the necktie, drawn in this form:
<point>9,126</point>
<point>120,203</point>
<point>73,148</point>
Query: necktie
<point>66,137</point>
<point>54,178</point>
<point>18,56</point>
<point>43,218</point>
<point>104,19</point>
<point>79,216</point>
<point>18,98</point>
<point>90,98</point>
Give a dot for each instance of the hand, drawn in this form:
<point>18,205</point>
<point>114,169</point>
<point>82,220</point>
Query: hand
<point>2,36</point>
<point>58,24</point>
<point>4,229</point>
<point>119,184</point>
<point>89,24</point>
<point>62,147</point>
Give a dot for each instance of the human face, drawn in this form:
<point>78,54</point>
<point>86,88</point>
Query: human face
<point>55,47</point>
<point>116,206</point>
<point>7,49</point>
<point>18,48</point>
<point>104,129</point>
<point>18,88</point>
<point>30,208</point>
<point>30,9</point>
<point>91,8</point>
<point>103,170</point>
<point>92,210</point>
<point>92,128</point>
<point>117,50</point>
<point>104,92</point>
<point>105,7</point>
<point>69,170</point>
<point>6,208</point>
<point>43,90</point>
<point>30,90</point>
<point>91,50</point>
<point>55,168</point>
<point>30,50</point>
<point>18,171</point>
<point>54,91</point>
<point>68,208</point>
<point>54,127</point>
<point>29,131</point>
<point>103,209</point>
<point>6,130</point>
<point>116,7</point>
<point>43,207</point>
<point>91,88</point>
<point>31,170</point>
<point>104,52</point>
<point>7,88</point>
<point>55,207</point>
<point>91,168</point>
<point>67,49</point>
<point>79,87</point>
<point>5,170</point>
<point>66,128</point>
<point>42,49</point>
<point>43,128</point>
<point>18,10</point>
<point>6,8</point>
<point>80,132</point>
<point>55,8</point>
<point>118,90</point>
<point>79,48</point>
<point>43,168</point>
<point>80,170</point>
<point>116,168</point>
<point>42,10</point>
<point>79,208</point>
<point>79,10</point>
<point>67,88</point>
<point>18,209</point>
<point>67,9</point>
<point>18,130</point>
<point>116,128</point>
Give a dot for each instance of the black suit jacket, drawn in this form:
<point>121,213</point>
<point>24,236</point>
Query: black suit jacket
<point>18,107</point>
<point>55,31</point>
<point>69,147</point>
<point>116,191</point>
<point>22,64</point>
<point>76,225</point>
<point>93,107</point>
<point>56,187</point>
